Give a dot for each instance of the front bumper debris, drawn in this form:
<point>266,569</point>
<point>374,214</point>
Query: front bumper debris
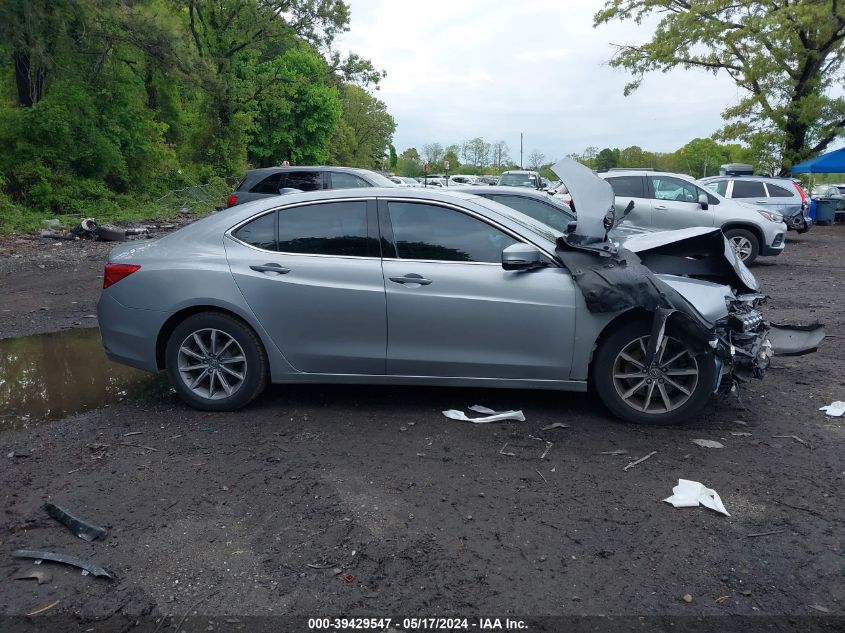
<point>795,340</point>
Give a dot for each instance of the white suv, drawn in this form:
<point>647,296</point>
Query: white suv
<point>666,201</point>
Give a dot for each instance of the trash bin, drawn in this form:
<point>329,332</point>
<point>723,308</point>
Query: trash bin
<point>825,210</point>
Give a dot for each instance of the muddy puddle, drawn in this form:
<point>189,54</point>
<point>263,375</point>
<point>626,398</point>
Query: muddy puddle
<point>50,376</point>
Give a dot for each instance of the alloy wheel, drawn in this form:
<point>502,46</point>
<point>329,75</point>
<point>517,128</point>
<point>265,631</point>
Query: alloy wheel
<point>664,385</point>
<point>742,247</point>
<point>212,364</point>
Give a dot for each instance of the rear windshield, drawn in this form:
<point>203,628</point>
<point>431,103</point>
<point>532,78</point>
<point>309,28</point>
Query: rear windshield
<point>518,180</point>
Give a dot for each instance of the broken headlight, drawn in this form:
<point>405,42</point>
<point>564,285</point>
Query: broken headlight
<point>745,321</point>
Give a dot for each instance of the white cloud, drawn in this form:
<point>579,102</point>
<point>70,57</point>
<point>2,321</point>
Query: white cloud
<point>469,68</point>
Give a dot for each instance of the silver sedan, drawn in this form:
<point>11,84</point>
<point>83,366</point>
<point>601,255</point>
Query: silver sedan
<point>414,286</point>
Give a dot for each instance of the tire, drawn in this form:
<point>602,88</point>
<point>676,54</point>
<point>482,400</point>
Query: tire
<point>745,241</point>
<point>216,341</point>
<point>614,377</point>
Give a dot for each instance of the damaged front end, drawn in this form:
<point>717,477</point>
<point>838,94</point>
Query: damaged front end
<point>689,281</point>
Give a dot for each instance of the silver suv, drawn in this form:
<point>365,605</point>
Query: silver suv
<point>783,195</point>
<point>666,201</point>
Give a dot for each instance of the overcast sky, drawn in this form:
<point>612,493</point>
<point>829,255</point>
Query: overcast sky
<point>467,68</point>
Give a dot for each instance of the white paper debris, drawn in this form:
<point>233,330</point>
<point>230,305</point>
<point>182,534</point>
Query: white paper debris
<point>708,444</point>
<point>834,409</point>
<point>490,415</point>
<point>689,494</point>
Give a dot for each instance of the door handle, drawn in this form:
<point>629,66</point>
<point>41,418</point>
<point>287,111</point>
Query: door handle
<point>411,279</point>
<point>661,207</point>
<point>271,268</point>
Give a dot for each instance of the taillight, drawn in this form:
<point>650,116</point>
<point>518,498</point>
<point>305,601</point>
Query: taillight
<point>115,272</point>
<point>232,200</point>
<point>800,191</point>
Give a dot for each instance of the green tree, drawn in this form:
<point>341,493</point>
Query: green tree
<point>704,156</point>
<point>364,131</point>
<point>607,159</point>
<point>786,57</point>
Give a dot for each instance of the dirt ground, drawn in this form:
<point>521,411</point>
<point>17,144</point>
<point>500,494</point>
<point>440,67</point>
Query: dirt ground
<point>333,500</point>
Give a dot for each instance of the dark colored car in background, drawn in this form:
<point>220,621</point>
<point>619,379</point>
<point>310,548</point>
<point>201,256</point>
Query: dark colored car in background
<point>274,181</point>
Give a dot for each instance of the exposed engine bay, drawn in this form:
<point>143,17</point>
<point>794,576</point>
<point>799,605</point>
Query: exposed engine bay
<point>691,281</point>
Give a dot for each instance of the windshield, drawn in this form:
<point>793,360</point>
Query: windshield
<point>523,220</point>
<point>518,180</point>
<point>378,179</point>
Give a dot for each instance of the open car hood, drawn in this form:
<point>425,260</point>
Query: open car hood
<point>592,197</point>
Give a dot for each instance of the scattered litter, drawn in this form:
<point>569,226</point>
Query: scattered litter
<point>43,609</point>
<point>555,425</point>
<point>740,422</point>
<point>708,444</point>
<point>640,460</point>
<point>320,566</point>
<point>819,608</point>
<point>131,433</point>
<point>722,599</point>
<point>541,475</point>
<point>489,415</point>
<point>502,451</point>
<point>41,575</point>
<point>146,448</point>
<point>834,409</point>
<point>689,494</point>
<point>348,578</point>
<point>796,438</point>
<point>687,598</point>
<point>769,533</point>
<point>548,448</point>
<point>740,434</point>
<point>84,530</point>
<point>618,451</point>
<point>85,566</point>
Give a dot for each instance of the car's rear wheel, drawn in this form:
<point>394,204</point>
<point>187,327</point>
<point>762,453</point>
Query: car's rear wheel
<point>216,362</point>
<point>674,388</point>
<point>745,243</point>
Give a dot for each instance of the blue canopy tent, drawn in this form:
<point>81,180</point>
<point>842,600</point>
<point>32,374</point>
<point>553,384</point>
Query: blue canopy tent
<point>830,163</point>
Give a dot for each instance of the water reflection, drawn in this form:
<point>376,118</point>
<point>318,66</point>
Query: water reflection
<point>49,376</point>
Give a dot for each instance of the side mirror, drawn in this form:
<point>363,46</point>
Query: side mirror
<point>522,257</point>
<point>704,201</point>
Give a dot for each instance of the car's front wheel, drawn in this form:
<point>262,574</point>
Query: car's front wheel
<point>216,362</point>
<point>674,388</point>
<point>745,243</point>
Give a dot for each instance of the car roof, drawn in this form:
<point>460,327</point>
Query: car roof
<point>759,178</point>
<point>519,171</point>
<point>272,170</point>
<point>523,192</point>
<point>209,228</point>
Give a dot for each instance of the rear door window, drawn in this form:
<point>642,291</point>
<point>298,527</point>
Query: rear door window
<point>628,186</point>
<point>341,180</point>
<point>779,192</point>
<point>304,180</point>
<point>260,232</point>
<point>269,185</point>
<point>329,228</point>
<point>429,232</point>
<point>748,189</point>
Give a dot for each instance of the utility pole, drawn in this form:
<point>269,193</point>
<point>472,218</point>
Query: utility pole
<point>520,150</point>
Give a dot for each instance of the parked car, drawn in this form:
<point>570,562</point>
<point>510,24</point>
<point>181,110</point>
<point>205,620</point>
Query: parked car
<point>665,201</point>
<point>559,191</point>
<point>538,205</point>
<point>271,181</point>
<point>520,178</point>
<point>834,192</point>
<point>433,181</point>
<point>462,179</point>
<point>783,195</point>
<point>404,181</point>
<point>413,286</point>
<point>488,180</point>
